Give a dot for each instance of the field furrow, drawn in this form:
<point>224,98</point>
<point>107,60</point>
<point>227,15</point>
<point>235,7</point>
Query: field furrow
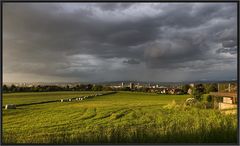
<point>90,113</point>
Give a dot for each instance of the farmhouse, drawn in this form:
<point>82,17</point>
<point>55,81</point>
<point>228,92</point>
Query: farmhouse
<point>226,97</point>
<point>228,100</point>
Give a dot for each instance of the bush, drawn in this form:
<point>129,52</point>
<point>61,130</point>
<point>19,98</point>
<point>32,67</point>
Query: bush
<point>200,105</point>
<point>209,105</point>
<point>209,98</point>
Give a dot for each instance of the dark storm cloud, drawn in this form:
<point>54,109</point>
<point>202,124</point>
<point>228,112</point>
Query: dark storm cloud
<point>88,40</point>
<point>131,61</point>
<point>114,6</point>
<point>166,54</point>
<point>227,50</point>
<point>230,43</point>
<point>228,47</point>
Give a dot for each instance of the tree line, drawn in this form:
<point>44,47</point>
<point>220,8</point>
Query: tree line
<point>197,90</point>
<point>48,88</point>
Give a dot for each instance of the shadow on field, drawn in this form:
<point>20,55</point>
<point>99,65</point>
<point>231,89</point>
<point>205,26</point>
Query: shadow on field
<point>148,134</point>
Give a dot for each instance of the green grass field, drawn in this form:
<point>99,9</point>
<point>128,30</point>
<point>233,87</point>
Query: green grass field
<point>124,117</point>
<point>33,97</point>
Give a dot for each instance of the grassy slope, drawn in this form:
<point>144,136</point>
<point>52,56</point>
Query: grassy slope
<point>118,118</point>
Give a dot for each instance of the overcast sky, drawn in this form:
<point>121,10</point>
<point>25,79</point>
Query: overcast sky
<point>94,42</point>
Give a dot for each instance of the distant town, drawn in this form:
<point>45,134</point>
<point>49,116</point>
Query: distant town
<point>161,88</point>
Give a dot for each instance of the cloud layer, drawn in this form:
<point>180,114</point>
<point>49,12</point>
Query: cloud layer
<point>119,41</point>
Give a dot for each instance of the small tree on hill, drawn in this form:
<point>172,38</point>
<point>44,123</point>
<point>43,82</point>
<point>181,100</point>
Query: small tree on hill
<point>198,91</point>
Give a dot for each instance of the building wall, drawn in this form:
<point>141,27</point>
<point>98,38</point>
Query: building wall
<point>227,106</point>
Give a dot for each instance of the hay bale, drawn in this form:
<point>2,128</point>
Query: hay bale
<point>64,100</point>
<point>10,106</point>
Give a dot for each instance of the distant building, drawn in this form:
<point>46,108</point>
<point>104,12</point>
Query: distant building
<point>131,85</point>
<point>163,90</point>
<point>116,87</point>
<point>139,86</point>
<point>175,91</point>
<point>149,85</point>
<point>191,85</point>
<point>189,91</point>
<point>122,84</point>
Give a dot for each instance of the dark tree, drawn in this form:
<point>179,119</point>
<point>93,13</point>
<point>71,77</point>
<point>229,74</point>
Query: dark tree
<point>126,89</point>
<point>198,91</point>
<point>89,87</point>
<point>5,89</point>
<point>185,88</point>
<point>13,88</point>
<point>211,88</point>
<point>97,88</point>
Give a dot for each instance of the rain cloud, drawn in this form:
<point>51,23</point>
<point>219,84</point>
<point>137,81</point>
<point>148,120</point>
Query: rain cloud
<point>97,42</point>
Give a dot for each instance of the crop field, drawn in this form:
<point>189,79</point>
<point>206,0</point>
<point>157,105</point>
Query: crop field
<point>120,118</point>
<point>33,97</point>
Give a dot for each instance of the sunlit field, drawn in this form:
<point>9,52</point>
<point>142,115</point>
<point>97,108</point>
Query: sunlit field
<point>123,117</point>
